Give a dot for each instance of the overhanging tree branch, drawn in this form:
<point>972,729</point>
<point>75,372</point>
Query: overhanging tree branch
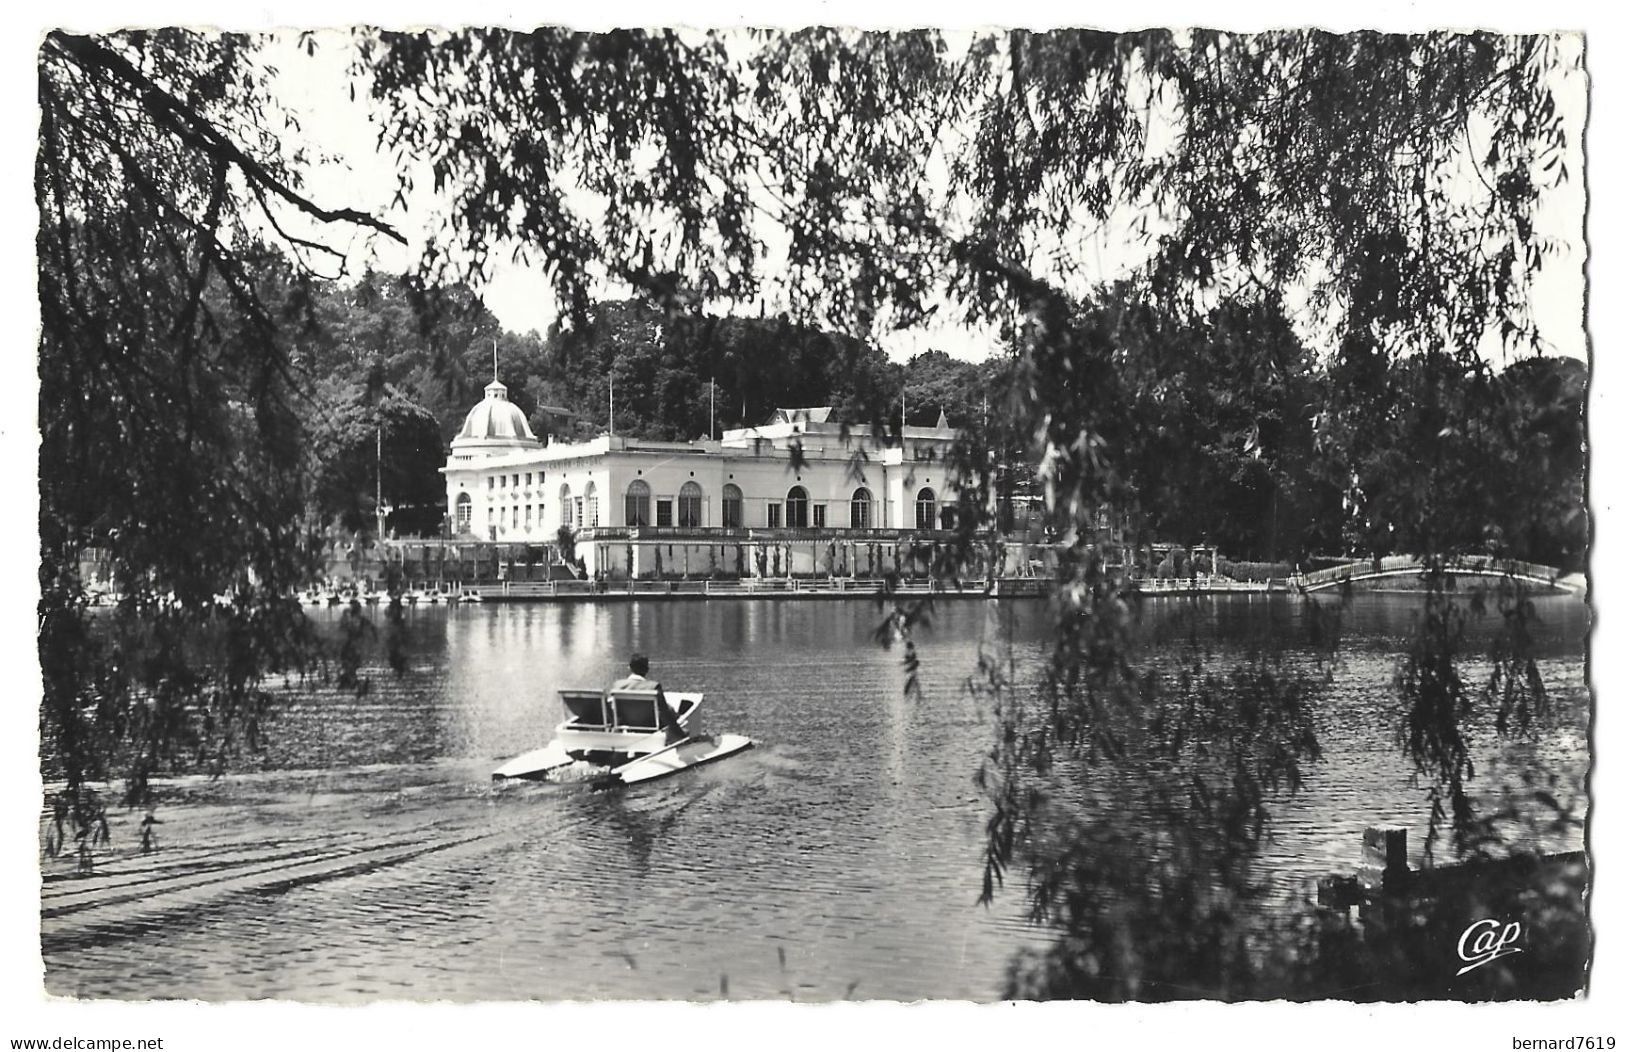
<point>195,129</point>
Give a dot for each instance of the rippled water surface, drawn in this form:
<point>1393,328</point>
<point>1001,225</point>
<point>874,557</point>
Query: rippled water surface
<point>365,855</point>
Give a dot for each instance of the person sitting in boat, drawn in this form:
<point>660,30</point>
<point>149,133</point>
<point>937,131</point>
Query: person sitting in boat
<point>639,680</point>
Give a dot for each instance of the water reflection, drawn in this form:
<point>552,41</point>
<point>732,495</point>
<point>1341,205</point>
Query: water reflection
<point>365,854</point>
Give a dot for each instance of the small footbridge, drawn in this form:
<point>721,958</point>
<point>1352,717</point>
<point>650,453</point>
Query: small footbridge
<point>1415,566</point>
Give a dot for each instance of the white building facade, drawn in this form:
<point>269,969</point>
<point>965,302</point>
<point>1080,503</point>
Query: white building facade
<point>821,497</point>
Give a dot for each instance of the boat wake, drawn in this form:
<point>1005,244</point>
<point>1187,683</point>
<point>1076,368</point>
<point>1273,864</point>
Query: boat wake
<point>578,772</point>
<point>127,899</point>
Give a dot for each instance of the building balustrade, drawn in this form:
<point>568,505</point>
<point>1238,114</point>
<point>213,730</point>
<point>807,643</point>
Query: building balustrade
<point>831,587</point>
<point>765,534</point>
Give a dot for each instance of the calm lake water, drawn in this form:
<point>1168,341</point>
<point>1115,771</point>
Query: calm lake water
<point>365,854</point>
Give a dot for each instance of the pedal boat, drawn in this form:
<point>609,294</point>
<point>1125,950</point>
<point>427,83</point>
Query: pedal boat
<point>622,732</point>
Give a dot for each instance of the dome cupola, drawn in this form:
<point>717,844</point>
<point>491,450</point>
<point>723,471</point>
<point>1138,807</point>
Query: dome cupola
<point>496,425</point>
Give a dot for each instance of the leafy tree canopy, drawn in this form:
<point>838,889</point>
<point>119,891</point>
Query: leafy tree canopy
<point>169,444</point>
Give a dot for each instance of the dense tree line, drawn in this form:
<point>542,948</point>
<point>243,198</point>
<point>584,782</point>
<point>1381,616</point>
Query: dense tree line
<point>1229,430</point>
<point>389,366</point>
<point>1233,431</point>
<point>383,345</point>
<point>666,369</point>
<point>1435,454</point>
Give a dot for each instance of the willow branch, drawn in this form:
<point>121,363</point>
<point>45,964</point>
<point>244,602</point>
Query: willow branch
<point>198,130</point>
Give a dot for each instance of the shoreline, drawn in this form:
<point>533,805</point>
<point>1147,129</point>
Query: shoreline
<point>576,591</point>
<point>837,588</point>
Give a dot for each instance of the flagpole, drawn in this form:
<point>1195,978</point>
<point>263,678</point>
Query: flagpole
<point>712,433</point>
<point>378,471</point>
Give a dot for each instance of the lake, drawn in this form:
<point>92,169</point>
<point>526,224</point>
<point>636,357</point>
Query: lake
<point>364,854</point>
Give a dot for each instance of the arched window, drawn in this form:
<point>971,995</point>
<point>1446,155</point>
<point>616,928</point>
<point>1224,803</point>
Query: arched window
<point>925,510</point>
<point>733,507</point>
<point>688,505</point>
<point>637,503</point>
<point>465,512</point>
<point>566,509</point>
<point>589,514</point>
<point>795,507</point>
<point>861,501</point>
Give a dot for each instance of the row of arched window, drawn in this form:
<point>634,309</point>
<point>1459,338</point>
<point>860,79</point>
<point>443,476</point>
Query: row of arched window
<point>799,511</point>
<point>579,510</point>
<point>582,510</point>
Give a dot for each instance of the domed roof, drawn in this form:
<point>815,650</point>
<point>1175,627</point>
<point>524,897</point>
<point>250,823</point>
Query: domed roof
<point>495,422</point>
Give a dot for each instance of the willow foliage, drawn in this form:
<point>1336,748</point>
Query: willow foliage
<point>868,180</point>
<point>1392,183</point>
<point>170,451</point>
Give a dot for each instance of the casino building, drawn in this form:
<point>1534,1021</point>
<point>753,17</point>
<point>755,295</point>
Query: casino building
<point>746,505</point>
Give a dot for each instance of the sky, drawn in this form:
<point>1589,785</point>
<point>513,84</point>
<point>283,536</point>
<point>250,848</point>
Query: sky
<point>26,1012</point>
<point>343,130</point>
<point>332,124</point>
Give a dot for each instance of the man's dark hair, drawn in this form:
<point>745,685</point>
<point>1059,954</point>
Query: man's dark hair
<point>640,664</point>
